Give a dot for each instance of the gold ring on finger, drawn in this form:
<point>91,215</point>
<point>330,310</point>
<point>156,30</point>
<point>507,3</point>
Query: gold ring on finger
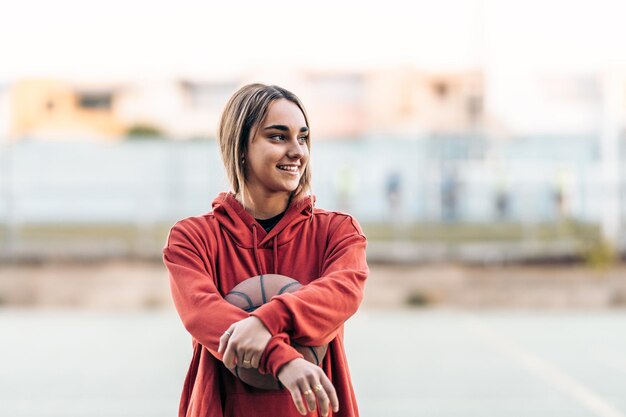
<point>308,392</point>
<point>317,388</point>
<point>246,361</point>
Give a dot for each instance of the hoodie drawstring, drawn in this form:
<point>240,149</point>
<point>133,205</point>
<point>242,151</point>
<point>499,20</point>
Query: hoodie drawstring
<point>256,251</point>
<point>275,255</point>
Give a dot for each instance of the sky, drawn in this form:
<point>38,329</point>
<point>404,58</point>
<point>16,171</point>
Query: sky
<point>140,38</point>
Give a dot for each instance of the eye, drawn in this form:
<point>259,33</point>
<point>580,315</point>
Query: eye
<point>277,137</point>
<point>303,139</point>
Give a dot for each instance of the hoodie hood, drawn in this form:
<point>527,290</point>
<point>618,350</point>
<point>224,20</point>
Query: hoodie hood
<point>247,233</point>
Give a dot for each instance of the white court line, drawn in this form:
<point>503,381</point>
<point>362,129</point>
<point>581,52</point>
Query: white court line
<point>545,371</point>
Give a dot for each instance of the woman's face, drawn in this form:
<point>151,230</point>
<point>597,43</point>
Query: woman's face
<point>277,153</point>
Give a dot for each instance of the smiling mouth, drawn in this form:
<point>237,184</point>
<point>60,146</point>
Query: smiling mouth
<point>288,168</point>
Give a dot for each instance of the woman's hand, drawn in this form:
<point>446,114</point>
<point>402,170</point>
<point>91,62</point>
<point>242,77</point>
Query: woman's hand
<point>302,378</point>
<point>243,343</point>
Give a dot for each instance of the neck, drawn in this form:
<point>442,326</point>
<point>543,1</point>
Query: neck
<point>263,206</point>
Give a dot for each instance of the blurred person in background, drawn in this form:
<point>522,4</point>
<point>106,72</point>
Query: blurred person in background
<point>393,188</point>
<point>266,224</point>
<point>450,187</point>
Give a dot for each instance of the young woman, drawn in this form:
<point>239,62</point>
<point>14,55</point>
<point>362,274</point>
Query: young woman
<point>267,224</point>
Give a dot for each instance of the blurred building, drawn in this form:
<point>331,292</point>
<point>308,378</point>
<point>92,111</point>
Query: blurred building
<point>336,103</point>
<point>4,112</point>
<point>52,109</point>
<point>394,102</point>
<point>403,102</point>
<point>179,109</point>
<point>408,102</point>
<point>400,102</point>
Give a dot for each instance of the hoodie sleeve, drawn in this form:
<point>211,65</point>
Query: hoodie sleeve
<point>313,315</point>
<point>202,309</point>
<point>277,353</point>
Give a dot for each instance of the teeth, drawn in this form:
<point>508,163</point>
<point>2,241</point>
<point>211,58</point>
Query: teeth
<point>291,168</point>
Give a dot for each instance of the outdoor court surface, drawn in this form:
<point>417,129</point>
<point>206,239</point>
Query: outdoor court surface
<point>403,363</point>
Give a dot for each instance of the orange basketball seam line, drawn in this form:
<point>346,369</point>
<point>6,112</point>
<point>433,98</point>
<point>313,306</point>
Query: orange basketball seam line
<point>263,289</point>
<point>317,360</point>
<point>283,289</point>
<point>244,296</point>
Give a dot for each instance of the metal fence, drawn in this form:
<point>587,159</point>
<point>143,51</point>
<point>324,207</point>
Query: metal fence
<point>146,184</point>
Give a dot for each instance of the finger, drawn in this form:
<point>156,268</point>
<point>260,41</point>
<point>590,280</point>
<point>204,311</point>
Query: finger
<point>255,361</point>
<point>322,398</point>
<point>224,339</point>
<point>247,362</point>
<point>296,396</point>
<point>330,391</point>
<point>243,359</point>
<point>309,397</point>
<point>223,342</point>
<point>229,356</point>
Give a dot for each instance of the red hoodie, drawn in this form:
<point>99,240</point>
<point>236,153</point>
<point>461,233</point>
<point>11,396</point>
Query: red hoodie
<point>208,255</point>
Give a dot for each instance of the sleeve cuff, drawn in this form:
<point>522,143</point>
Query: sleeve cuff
<point>277,354</point>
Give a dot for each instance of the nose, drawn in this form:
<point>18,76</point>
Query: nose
<point>295,150</point>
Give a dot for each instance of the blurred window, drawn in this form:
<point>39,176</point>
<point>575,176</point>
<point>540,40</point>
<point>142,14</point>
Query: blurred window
<point>95,101</point>
<point>474,107</point>
<point>441,89</point>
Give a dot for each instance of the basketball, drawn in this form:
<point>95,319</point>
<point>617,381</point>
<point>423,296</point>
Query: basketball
<point>252,294</point>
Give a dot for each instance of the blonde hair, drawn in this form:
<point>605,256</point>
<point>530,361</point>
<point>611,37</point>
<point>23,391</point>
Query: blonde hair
<point>242,115</point>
